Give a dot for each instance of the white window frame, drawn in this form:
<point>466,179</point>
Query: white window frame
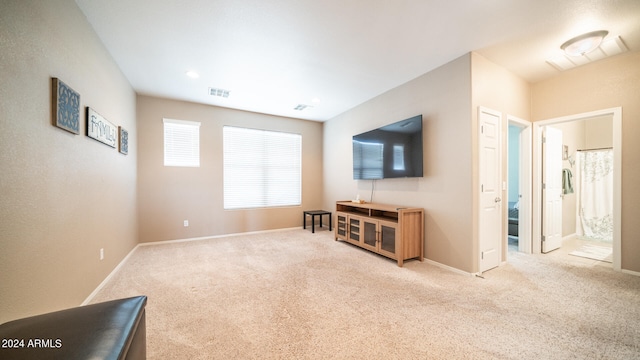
<point>398,157</point>
<point>261,168</point>
<point>181,143</point>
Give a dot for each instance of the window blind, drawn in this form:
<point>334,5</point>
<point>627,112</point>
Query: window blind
<point>181,143</point>
<point>367,160</point>
<point>261,168</point>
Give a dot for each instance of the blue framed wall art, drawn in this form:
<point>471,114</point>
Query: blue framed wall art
<point>124,140</point>
<point>66,107</point>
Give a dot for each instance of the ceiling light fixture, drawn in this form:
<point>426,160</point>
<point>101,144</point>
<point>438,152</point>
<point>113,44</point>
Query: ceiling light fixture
<point>609,47</point>
<point>192,74</point>
<point>583,44</point>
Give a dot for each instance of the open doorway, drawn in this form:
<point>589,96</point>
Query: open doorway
<point>581,133</point>
<point>513,190</point>
<point>518,185</point>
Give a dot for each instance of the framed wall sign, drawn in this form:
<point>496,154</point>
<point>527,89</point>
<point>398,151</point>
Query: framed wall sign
<point>100,129</point>
<point>66,107</point>
<point>123,146</point>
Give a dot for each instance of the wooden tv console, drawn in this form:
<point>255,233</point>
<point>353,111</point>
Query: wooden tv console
<point>392,231</point>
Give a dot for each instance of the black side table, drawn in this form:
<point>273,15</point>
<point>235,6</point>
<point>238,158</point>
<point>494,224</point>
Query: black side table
<point>313,214</point>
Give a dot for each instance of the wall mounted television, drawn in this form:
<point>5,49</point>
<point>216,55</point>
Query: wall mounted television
<point>391,151</point>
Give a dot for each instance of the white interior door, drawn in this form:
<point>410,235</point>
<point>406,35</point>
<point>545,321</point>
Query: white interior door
<point>490,215</point>
<point>552,189</point>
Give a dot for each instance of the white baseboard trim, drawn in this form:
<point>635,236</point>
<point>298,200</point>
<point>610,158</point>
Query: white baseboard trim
<point>447,267</point>
<point>630,272</point>
<point>215,236</point>
<point>111,274</point>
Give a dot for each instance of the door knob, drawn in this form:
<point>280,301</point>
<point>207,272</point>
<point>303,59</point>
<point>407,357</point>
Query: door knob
<point>498,199</point>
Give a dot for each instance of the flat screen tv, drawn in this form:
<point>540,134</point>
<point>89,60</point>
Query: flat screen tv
<point>392,151</point>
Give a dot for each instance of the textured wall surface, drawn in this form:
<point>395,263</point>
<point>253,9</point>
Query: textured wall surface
<point>443,97</point>
<point>63,196</point>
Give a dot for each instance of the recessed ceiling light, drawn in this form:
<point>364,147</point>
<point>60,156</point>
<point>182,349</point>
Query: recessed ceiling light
<point>315,100</point>
<point>584,43</point>
<point>192,74</point>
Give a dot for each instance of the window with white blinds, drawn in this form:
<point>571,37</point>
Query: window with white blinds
<point>261,168</point>
<point>181,143</point>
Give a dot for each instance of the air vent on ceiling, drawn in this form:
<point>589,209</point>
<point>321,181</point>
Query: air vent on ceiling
<point>609,47</point>
<point>301,107</point>
<point>219,92</point>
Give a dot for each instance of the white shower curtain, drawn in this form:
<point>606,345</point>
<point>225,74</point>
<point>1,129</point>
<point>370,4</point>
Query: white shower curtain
<point>595,195</point>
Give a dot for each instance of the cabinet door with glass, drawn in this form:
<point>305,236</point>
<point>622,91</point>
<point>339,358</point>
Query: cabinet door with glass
<point>354,231</point>
<point>380,236</point>
<point>388,238</point>
<point>370,234</point>
<point>341,226</point>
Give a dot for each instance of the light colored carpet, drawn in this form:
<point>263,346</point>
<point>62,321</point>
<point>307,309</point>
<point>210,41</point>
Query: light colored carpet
<point>595,252</point>
<point>296,295</point>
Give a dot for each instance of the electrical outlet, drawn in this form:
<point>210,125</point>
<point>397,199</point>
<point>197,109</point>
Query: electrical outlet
<point>186,223</point>
<point>101,253</point>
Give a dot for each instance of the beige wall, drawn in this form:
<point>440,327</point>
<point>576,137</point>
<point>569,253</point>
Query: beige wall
<point>495,88</point>
<point>598,133</point>
<point>442,96</point>
<point>169,195</point>
<point>604,84</point>
<point>64,196</point>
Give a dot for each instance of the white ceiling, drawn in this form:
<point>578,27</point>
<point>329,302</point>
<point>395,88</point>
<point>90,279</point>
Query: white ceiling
<point>275,54</point>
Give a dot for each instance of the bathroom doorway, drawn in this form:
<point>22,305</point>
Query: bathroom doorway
<point>581,133</point>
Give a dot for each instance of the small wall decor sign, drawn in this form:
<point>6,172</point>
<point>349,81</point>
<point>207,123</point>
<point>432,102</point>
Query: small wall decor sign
<point>124,140</point>
<point>100,129</point>
<point>66,107</point>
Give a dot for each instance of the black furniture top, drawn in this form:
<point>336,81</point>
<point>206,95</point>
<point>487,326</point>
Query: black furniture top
<point>313,214</point>
<point>109,330</point>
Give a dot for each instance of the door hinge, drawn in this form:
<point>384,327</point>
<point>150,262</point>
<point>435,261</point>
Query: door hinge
<point>481,129</point>
<point>544,186</point>
<point>544,139</point>
<point>482,255</point>
<point>543,239</point>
